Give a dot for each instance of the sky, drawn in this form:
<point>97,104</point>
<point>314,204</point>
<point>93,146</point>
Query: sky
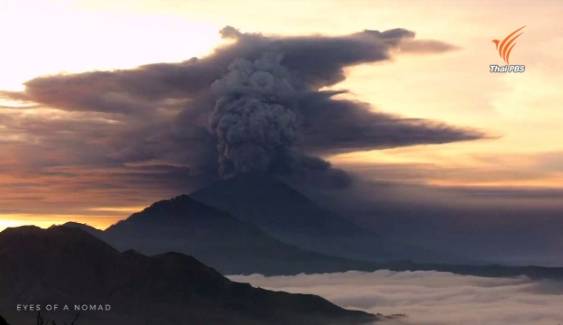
<point>48,174</point>
<point>429,297</point>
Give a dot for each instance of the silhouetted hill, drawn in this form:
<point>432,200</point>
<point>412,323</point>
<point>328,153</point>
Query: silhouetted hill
<point>67,265</point>
<point>89,229</point>
<point>288,215</point>
<point>216,238</point>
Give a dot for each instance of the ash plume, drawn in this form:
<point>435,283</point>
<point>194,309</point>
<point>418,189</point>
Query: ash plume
<point>253,120</point>
<point>256,104</point>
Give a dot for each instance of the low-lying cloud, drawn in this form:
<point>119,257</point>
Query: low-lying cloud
<point>431,298</point>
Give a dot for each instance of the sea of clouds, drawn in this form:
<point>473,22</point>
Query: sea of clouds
<point>431,298</point>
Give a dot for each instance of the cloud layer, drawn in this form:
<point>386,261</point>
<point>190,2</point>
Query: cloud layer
<point>431,298</point>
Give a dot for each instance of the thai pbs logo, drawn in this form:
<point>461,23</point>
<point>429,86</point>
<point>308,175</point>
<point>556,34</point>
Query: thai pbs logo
<point>504,48</point>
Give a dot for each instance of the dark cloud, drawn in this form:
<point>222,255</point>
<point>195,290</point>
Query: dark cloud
<point>316,61</point>
<point>129,137</point>
<point>253,104</point>
<point>333,126</point>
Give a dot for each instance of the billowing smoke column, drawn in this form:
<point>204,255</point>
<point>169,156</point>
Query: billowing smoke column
<point>254,119</point>
<point>263,112</point>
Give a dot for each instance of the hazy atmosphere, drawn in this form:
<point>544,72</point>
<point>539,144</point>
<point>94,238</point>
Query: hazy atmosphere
<point>516,115</point>
<point>154,147</point>
<point>418,122</point>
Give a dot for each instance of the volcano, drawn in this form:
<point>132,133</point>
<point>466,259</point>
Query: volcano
<point>291,217</point>
<point>213,236</point>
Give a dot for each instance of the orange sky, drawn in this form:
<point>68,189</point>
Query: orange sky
<point>521,112</point>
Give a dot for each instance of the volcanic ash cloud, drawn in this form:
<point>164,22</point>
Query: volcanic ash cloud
<point>253,120</point>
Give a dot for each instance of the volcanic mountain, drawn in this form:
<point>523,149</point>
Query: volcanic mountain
<point>216,238</point>
<point>66,265</point>
<point>283,212</point>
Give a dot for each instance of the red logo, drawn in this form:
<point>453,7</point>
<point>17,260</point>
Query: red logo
<point>505,46</point>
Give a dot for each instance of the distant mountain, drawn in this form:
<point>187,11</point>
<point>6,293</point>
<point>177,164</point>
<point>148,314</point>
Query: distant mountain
<point>66,265</point>
<point>216,238</point>
<point>487,270</point>
<point>288,215</point>
<point>85,227</point>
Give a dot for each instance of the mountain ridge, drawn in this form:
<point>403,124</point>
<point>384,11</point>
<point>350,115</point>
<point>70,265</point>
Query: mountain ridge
<point>231,245</point>
<point>65,264</point>
<point>307,261</point>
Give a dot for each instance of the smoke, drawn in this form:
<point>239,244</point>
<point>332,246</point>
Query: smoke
<point>254,122</point>
<point>255,104</point>
<point>267,96</point>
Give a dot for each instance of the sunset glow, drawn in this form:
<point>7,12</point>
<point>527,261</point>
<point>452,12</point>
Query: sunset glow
<point>519,113</point>
<point>45,221</point>
<point>178,162</point>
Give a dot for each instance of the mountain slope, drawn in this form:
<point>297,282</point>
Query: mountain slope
<point>291,217</point>
<point>216,238</point>
<point>68,266</point>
